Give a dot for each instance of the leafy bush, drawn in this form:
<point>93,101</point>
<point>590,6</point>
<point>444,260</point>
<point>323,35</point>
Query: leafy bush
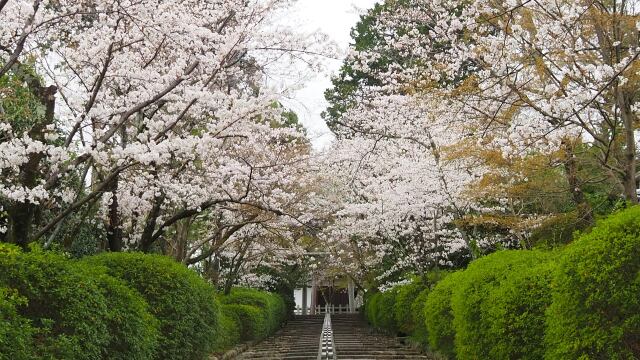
<point>133,330</point>
<point>595,312</point>
<point>515,313</point>
<point>228,331</point>
<point>16,333</point>
<point>473,299</point>
<point>64,303</point>
<point>370,307</point>
<point>273,307</point>
<point>182,301</point>
<point>252,321</point>
<point>402,308</point>
<point>379,310</point>
<point>438,315</point>
<point>419,333</point>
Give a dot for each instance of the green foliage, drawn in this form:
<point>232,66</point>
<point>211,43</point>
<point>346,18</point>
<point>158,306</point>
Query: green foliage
<point>16,332</point>
<point>472,300</point>
<point>228,331</point>
<point>65,303</point>
<point>595,312</point>
<point>419,333</point>
<point>402,308</point>
<point>21,107</point>
<point>379,310</point>
<point>252,321</point>
<point>558,230</point>
<point>67,309</point>
<point>438,315</point>
<point>183,302</point>
<point>133,330</point>
<point>370,303</point>
<point>272,306</point>
<point>515,313</point>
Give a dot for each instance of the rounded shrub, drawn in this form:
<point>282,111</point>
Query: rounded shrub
<point>252,321</point>
<point>63,301</point>
<point>133,330</point>
<point>273,305</point>
<point>473,300</point>
<point>438,315</point>
<point>182,302</point>
<point>595,312</point>
<point>515,313</point>
<point>402,307</point>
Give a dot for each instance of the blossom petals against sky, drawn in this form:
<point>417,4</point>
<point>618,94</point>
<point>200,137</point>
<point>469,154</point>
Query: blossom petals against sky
<point>334,18</point>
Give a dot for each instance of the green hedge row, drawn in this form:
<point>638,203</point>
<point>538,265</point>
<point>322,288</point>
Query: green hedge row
<point>257,314</point>
<point>116,306</point>
<point>579,302</point>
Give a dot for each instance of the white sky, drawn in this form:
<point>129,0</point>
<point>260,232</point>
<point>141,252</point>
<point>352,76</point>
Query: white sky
<point>334,18</point>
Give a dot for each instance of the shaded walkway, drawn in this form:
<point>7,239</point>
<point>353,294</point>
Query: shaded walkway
<point>352,336</point>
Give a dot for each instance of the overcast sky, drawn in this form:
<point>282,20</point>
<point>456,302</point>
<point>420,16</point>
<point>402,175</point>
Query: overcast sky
<point>334,18</point>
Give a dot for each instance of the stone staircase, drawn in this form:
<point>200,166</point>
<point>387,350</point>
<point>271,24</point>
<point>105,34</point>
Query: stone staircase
<point>300,339</point>
<point>354,339</point>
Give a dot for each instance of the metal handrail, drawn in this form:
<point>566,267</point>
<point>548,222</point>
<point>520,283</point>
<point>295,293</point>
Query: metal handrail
<point>326,338</point>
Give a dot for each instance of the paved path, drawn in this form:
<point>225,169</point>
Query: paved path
<point>352,339</point>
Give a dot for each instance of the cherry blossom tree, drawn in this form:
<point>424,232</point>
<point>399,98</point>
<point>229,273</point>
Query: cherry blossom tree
<point>571,64</point>
<point>147,115</point>
<point>491,112</point>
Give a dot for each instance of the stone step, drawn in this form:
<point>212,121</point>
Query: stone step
<point>352,339</point>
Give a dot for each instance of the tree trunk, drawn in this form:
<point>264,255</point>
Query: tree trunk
<point>178,245</point>
<point>114,228</point>
<point>629,120</point>
<point>22,214</point>
<point>571,169</point>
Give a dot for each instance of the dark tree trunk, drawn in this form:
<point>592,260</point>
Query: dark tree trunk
<point>114,228</point>
<point>571,169</point>
<point>22,215</point>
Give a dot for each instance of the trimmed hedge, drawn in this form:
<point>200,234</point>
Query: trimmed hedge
<point>371,303</point>
<point>379,311</point>
<point>439,315</point>
<point>515,311</point>
<point>252,321</point>
<point>182,301</point>
<point>61,299</point>
<point>580,302</point>
<point>419,333</point>
<point>272,306</point>
<point>402,307</point>
<point>16,332</point>
<point>595,312</point>
<point>229,330</point>
<point>134,332</point>
<point>121,306</point>
<point>473,299</point>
